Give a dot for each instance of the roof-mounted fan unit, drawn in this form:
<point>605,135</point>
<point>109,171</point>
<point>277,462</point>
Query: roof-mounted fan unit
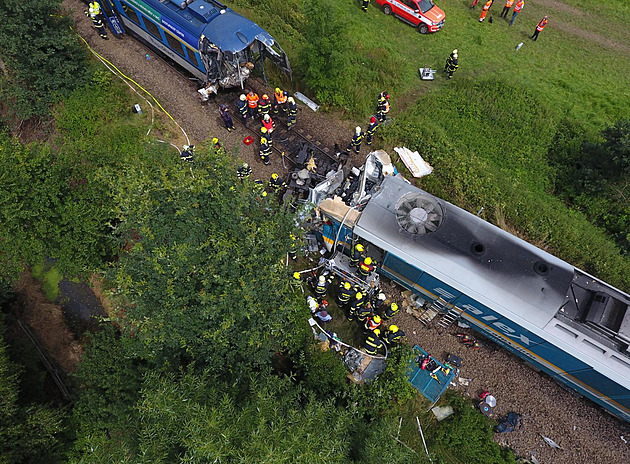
<point>419,214</point>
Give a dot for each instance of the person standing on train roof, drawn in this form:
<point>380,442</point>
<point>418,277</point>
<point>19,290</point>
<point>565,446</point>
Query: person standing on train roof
<point>252,103</point>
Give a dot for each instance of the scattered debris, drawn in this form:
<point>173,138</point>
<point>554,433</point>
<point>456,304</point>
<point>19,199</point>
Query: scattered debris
<point>550,442</point>
<point>623,439</point>
<point>414,162</point>
<point>535,460</point>
<point>442,412</point>
<point>464,381</point>
<point>427,74</point>
<point>426,450</point>
<point>307,101</point>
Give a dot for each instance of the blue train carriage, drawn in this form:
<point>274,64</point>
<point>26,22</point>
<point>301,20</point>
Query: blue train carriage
<point>556,317</point>
<point>212,42</point>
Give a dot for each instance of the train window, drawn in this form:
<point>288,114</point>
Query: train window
<point>131,13</point>
<point>174,44</point>
<point>192,57</point>
<point>152,28</point>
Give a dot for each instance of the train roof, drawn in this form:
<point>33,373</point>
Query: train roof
<point>225,28</point>
<point>472,255</point>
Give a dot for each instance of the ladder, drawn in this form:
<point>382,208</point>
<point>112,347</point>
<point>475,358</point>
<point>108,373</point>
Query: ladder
<point>435,308</point>
<point>451,316</point>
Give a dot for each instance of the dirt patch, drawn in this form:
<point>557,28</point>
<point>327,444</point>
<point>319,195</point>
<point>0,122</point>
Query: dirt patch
<point>47,321</point>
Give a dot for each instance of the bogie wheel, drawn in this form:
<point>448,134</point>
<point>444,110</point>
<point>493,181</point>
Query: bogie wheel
<point>423,28</point>
<point>387,9</point>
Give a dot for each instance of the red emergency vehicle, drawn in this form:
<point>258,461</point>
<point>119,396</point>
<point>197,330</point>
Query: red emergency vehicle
<point>423,14</point>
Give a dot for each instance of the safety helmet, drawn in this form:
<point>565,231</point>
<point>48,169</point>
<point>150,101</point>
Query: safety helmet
<point>242,97</point>
<point>359,295</point>
<point>377,332</point>
<point>278,90</point>
<point>321,279</point>
<point>393,328</point>
<point>263,130</point>
<point>263,140</point>
<point>293,237</point>
<point>358,130</point>
<point>297,276</point>
<point>245,165</point>
<point>381,296</point>
<point>359,247</point>
<point>215,140</point>
<point>377,319</point>
<point>324,303</point>
<point>265,96</point>
<point>368,260</point>
<point>455,52</point>
<point>347,285</point>
<point>372,119</point>
<point>386,96</point>
<point>274,176</point>
<point>290,100</point>
<point>394,307</point>
<point>266,117</point>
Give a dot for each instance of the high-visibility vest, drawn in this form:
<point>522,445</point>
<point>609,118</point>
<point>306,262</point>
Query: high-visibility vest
<point>519,6</point>
<point>509,3</point>
<point>269,125</point>
<point>280,97</point>
<point>541,25</point>
<point>487,6</point>
<point>252,100</point>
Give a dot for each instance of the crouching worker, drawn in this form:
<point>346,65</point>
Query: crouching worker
<point>373,343</point>
<point>393,336</point>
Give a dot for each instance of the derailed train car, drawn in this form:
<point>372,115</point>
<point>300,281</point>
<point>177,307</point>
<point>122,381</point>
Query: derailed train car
<point>556,317</point>
<point>212,42</point>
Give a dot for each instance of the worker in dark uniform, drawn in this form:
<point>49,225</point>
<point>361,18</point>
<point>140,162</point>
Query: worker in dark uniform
<point>292,115</point>
<point>244,172</point>
<point>372,323</point>
<point>382,107</point>
<point>265,150</point>
<point>321,287</point>
<point>364,312</point>
<point>378,301</point>
<point>293,250</point>
<point>265,133</point>
<point>356,255</point>
<point>364,5</point>
<point>391,311</point>
<point>345,293</point>
<point>358,302</point>
<point>259,188</point>
<point>365,268</point>
<point>451,64</point>
<point>276,183</point>
<point>371,130</point>
<point>393,335</point>
<point>264,105</point>
<point>94,12</point>
<point>356,141</point>
<point>226,117</point>
<point>373,343</point>
<point>242,107</point>
<point>188,153</point>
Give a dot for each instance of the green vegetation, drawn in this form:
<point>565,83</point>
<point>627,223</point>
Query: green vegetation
<point>50,276</point>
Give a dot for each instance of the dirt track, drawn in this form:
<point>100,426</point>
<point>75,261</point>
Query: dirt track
<point>586,433</point>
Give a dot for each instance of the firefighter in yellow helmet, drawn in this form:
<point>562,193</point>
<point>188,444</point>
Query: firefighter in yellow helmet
<point>373,343</point>
<point>344,293</point>
<point>94,12</point>
<point>356,254</point>
<point>393,335</point>
<point>391,311</point>
<point>276,183</point>
<point>366,268</point>
<point>358,301</point>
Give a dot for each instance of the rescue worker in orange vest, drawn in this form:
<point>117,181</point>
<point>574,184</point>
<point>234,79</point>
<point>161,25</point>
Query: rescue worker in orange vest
<point>242,107</point>
<point>517,9</point>
<point>506,8</point>
<point>358,302</point>
<point>539,28</point>
<point>484,10</point>
<point>366,267</point>
<point>264,105</point>
<point>252,103</point>
<point>265,150</point>
<point>356,141</point>
<point>344,293</point>
<point>383,108</point>
<point>373,343</point>
<point>280,101</point>
<point>370,131</point>
<point>268,124</point>
<point>372,323</point>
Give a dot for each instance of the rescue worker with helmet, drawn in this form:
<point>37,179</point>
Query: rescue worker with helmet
<point>292,115</point>
<point>265,150</point>
<point>356,255</point>
<point>365,268</point>
<point>373,343</point>
<point>364,312</point>
<point>279,101</point>
<point>244,172</point>
<point>264,105</point>
<point>188,153</point>
<point>358,302</point>
<point>541,25</point>
<point>356,141</point>
<point>451,64</point>
<point>370,131</point>
<point>276,183</point>
<point>345,293</point>
<point>296,281</point>
<point>372,323</point>
<point>383,106</point>
<point>393,335</point>
<point>242,107</point>
<point>391,311</point>
<point>321,287</point>
<point>293,250</point>
<point>268,123</point>
<point>94,12</point>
